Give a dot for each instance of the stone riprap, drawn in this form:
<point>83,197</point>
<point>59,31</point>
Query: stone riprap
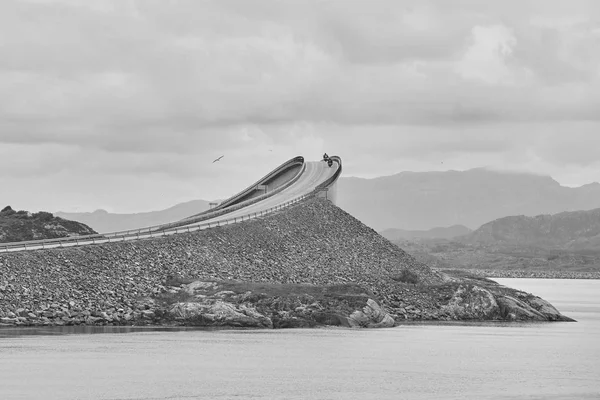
<point>313,243</point>
<point>496,273</point>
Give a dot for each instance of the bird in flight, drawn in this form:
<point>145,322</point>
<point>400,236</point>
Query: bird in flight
<point>218,159</point>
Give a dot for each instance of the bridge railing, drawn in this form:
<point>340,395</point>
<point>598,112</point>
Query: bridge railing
<point>299,160</point>
<point>234,207</point>
<point>98,239</point>
<point>152,232</point>
<point>220,209</point>
<point>209,214</point>
<point>331,180</point>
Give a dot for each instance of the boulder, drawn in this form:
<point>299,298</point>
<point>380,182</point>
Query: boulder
<point>471,302</point>
<point>371,316</point>
<point>512,309</point>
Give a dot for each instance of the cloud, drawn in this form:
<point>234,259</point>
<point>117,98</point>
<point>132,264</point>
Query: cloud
<point>225,63</point>
<point>485,60</point>
<point>130,93</point>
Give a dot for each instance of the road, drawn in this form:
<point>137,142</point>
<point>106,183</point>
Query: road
<point>316,172</point>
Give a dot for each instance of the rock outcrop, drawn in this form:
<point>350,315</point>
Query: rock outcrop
<point>243,305</point>
<point>472,302</point>
<point>17,226</point>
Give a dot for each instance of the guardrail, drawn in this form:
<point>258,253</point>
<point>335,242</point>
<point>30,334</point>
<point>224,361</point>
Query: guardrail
<point>212,213</point>
<point>151,232</point>
<point>220,210</point>
<point>283,167</point>
<point>208,215</point>
<point>99,239</point>
<point>329,181</point>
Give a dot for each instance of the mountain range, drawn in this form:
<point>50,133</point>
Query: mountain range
<point>410,202</point>
<point>567,242</point>
<point>568,231</point>
<point>104,222</point>
<point>424,200</point>
<point>434,233</point>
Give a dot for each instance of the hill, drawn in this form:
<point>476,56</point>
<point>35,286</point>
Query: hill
<point>564,245</point>
<point>570,231</point>
<point>423,200</point>
<point>17,226</point>
<point>157,280</point>
<point>434,233</point>
<point>104,222</point>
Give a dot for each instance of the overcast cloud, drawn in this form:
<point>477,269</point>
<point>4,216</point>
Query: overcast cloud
<point>123,104</point>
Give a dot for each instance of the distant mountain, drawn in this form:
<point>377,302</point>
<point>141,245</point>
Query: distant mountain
<point>571,231</point>
<point>104,222</point>
<point>567,242</point>
<point>423,200</point>
<point>18,226</point>
<point>434,233</point>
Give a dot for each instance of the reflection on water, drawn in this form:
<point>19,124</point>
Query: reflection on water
<point>78,330</point>
<point>414,361</point>
<point>6,332</point>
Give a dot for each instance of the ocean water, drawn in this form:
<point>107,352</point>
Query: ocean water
<point>415,361</point>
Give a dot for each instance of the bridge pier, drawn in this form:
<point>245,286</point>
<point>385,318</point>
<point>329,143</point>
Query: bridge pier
<point>329,193</point>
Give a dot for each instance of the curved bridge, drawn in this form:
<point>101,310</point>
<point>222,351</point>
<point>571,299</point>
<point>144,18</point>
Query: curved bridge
<point>286,185</point>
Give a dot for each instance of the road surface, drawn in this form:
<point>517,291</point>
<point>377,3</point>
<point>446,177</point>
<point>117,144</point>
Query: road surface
<point>316,172</point>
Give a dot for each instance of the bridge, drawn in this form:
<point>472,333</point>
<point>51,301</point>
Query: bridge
<point>288,184</point>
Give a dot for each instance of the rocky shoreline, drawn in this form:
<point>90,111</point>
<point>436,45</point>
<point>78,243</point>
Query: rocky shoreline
<point>271,266</point>
<point>209,303</point>
<point>489,273</point>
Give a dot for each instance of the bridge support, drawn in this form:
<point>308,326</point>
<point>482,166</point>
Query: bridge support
<point>329,193</point>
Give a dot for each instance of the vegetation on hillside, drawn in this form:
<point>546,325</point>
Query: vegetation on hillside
<point>575,231</point>
<point>17,226</point>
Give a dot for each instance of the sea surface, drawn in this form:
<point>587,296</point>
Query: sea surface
<point>416,361</point>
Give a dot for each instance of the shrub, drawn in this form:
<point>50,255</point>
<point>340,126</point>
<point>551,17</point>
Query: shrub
<point>407,276</point>
<point>7,211</point>
<point>43,216</point>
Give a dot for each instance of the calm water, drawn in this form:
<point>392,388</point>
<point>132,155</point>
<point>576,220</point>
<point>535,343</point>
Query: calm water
<point>483,361</point>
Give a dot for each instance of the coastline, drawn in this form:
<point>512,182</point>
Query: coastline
<point>493,273</point>
<point>282,271</point>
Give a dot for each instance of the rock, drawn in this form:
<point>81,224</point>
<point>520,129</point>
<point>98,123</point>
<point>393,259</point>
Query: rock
<point>105,316</point>
<point>199,286</point>
<point>371,316</point>
<point>546,309</point>
<point>224,293</point>
<point>219,313</point>
<point>513,309</point>
<point>472,302</point>
<point>331,319</point>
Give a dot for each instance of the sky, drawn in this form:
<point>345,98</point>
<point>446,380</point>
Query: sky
<point>123,104</point>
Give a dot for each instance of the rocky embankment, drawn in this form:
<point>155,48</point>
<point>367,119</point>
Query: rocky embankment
<point>313,245</point>
<point>495,273</point>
